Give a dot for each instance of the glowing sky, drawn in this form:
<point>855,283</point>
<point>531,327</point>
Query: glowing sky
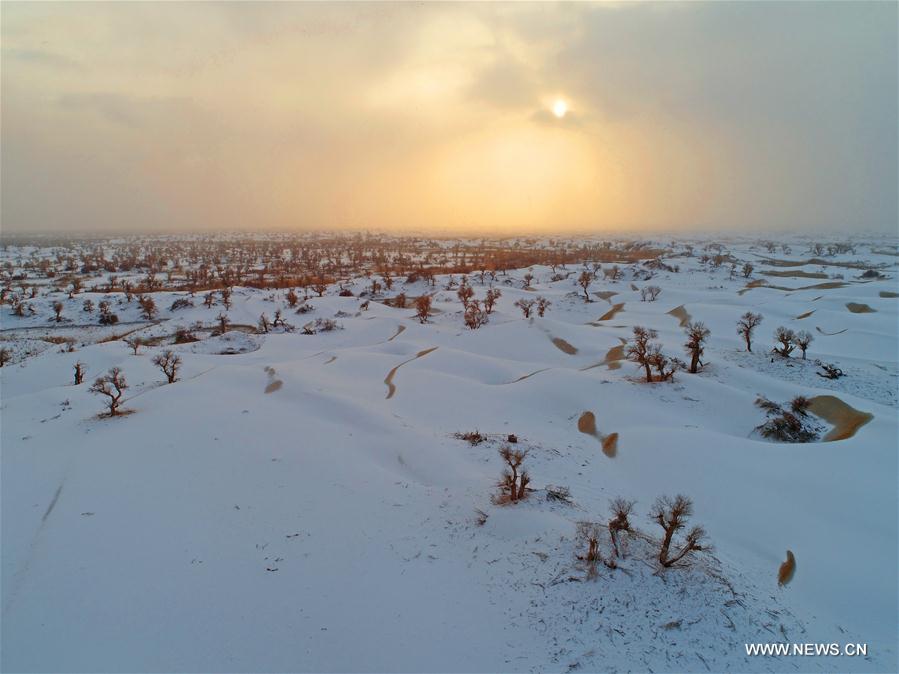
<point>732,116</point>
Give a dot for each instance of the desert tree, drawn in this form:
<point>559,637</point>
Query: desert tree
<point>665,366</point>
<point>785,339</point>
<point>748,268</point>
<point>423,308</point>
<point>147,306</point>
<point>515,479</point>
<point>650,293</point>
<point>88,306</point>
<point>5,356</point>
<point>209,299</point>
<point>57,309</point>
<point>292,298</point>
<point>388,280</point>
<point>528,277</point>
<point>589,533</point>
<point>803,339</point>
<point>542,305</point>
<point>672,514</point>
<point>584,281</point>
<point>400,301</point>
<point>747,325</point>
<point>639,349</point>
<point>223,323</point>
<point>112,385</point>
<point>493,294</point>
<point>465,293</point>
<point>621,510</point>
<point>226,297</point>
<point>169,362</point>
<point>278,320</point>
<point>79,373</point>
<point>134,343</point>
<point>319,287</point>
<point>525,306</point>
<point>697,334</point>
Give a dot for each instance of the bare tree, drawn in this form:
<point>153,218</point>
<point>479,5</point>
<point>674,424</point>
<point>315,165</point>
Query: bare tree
<point>223,323</point>
<point>527,280</point>
<point>621,509</point>
<point>423,308</point>
<point>226,297</point>
<point>525,306</point>
<point>5,356</point>
<point>542,305</point>
<point>584,281</point>
<point>79,373</point>
<point>665,367</point>
<point>785,337</point>
<point>514,482</point>
<point>803,339</point>
<point>263,323</point>
<point>292,298</point>
<point>57,309</point>
<point>639,349</point>
<point>465,293</point>
<point>589,532</point>
<point>672,515</point>
<point>147,306</point>
<point>88,306</point>
<point>475,317</point>
<point>493,294</point>
<point>134,342</point>
<point>400,301</point>
<point>169,362</point>
<point>112,385</point>
<point>747,325</point>
<point>748,268</point>
<point>697,333</point>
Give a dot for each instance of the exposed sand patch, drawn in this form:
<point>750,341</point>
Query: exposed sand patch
<point>846,420</point>
<point>798,273</point>
<point>805,315</point>
<point>762,283</point>
<point>681,315</point>
<point>391,387</point>
<point>610,314</point>
<point>274,386</point>
<point>859,308</point>
<point>531,374</point>
<point>787,569</point>
<point>605,295</point>
<point>399,331</point>
<point>586,424</point>
<point>888,293</point>
<point>831,334</point>
<point>613,358</point>
<point>562,345</point>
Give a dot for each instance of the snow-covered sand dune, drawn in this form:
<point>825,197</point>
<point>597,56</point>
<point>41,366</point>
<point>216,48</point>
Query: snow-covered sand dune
<point>301,503</point>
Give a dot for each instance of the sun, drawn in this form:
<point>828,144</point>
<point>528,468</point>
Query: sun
<point>560,107</point>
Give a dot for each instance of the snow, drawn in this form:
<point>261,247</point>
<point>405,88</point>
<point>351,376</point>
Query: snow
<point>226,524</point>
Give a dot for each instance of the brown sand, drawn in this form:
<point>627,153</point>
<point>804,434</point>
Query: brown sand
<point>613,358</point>
<point>399,330</point>
<point>857,308</point>
<point>610,314</point>
<point>831,334</point>
<point>562,345</point>
<point>391,387</point>
<point>846,420</point>
<point>523,377</point>
<point>274,386</point>
<point>796,274</point>
<point>887,293</point>
<point>681,315</point>
<point>605,294</point>
<point>610,445</point>
<point>805,315</point>
<point>586,424</point>
<point>761,283</point>
<point>787,569</point>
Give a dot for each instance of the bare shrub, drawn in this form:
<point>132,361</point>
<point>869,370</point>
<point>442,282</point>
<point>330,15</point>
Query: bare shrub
<point>542,305</point>
<point>748,268</point>
<point>147,306</point>
<point>515,479</point>
<point>465,293</point>
<point>88,306</point>
<point>831,371</point>
<point>57,309</point>
<point>169,362</point>
<point>400,301</point>
<point>79,373</point>
<point>672,514</point>
<point>588,533</point>
<point>640,349</point>
<point>558,494</point>
<point>475,316</point>
<point>112,385</point>
<point>473,438</point>
<point>223,323</point>
<point>184,335</point>
<point>493,294</point>
<point>181,303</point>
<point>292,298</point>
<point>5,356</point>
<point>621,509</point>
<point>747,325</point>
<point>263,323</point>
<point>786,425</point>
<point>650,293</point>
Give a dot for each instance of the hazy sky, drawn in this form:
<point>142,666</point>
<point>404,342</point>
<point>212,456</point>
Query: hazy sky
<point>138,116</point>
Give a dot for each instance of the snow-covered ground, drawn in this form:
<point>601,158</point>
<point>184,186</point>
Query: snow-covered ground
<point>287,505</point>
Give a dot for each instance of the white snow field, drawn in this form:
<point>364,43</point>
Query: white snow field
<point>233,523</point>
